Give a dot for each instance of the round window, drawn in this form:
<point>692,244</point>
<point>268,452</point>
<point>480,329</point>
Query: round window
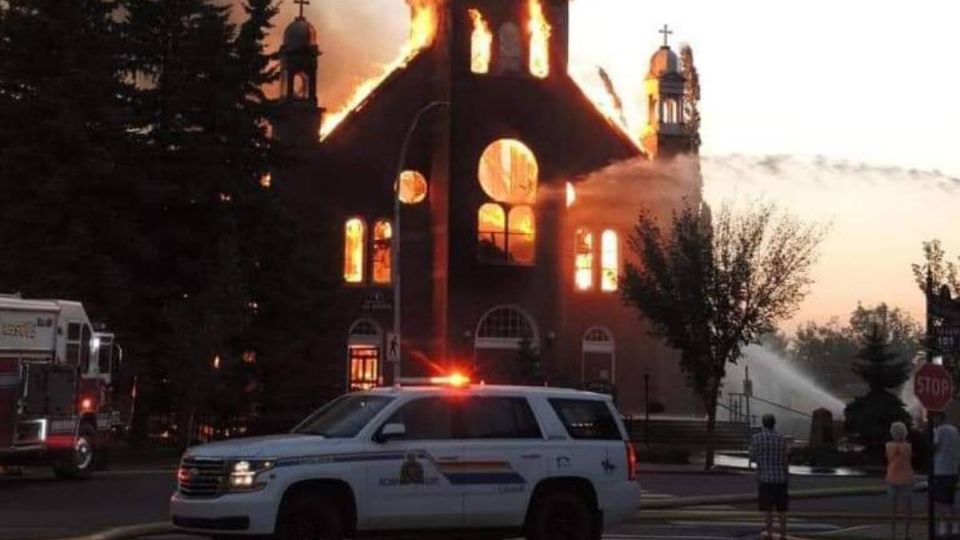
<point>413,187</point>
<point>508,172</point>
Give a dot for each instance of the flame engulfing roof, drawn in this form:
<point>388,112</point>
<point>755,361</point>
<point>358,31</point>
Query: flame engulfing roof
<point>424,15</point>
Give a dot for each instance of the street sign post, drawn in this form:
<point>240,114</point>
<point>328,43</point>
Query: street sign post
<point>933,387</point>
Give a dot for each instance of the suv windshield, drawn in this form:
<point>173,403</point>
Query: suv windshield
<point>344,417</point>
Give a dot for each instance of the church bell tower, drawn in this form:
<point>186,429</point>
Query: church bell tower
<point>666,133</point>
<point>299,111</point>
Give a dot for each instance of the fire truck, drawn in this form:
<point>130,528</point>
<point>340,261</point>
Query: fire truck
<point>58,398</point>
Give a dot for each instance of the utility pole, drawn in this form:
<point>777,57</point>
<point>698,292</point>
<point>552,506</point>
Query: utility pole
<point>931,513</point>
<point>395,243</point>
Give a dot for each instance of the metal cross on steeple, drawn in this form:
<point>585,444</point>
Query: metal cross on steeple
<point>666,35</point>
<point>302,3</point>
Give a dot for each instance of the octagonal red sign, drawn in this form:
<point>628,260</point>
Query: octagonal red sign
<point>933,387</point>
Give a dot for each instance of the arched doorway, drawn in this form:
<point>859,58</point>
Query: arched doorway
<point>598,359</point>
<point>507,341</point>
<point>364,353</point>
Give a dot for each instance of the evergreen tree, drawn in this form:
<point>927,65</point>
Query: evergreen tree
<point>870,415</point>
<point>63,194</point>
<point>201,130</point>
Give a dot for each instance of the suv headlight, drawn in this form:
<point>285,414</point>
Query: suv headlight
<point>248,474</point>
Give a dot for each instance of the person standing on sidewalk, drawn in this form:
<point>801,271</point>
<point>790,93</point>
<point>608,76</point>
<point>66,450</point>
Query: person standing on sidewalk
<point>943,484</point>
<point>899,475</point>
<point>768,449</point>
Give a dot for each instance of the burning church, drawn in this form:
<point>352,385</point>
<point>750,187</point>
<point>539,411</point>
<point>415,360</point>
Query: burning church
<point>457,186</point>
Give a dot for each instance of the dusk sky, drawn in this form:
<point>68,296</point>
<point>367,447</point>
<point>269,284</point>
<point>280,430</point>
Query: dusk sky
<point>856,93</point>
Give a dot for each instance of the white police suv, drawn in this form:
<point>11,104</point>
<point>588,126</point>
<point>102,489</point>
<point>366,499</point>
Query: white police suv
<point>454,460</point>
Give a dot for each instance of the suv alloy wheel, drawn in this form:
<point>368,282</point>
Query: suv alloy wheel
<point>310,518</point>
<point>560,515</point>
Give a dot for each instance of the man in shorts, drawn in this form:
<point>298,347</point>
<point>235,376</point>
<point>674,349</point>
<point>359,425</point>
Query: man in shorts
<point>768,449</point>
<point>943,485</point>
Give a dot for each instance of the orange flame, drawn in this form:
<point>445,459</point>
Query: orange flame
<point>423,29</point>
<point>539,41</point>
<point>480,42</point>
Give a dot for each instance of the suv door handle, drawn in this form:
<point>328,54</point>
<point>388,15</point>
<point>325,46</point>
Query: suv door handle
<point>448,458</point>
<point>530,456</point>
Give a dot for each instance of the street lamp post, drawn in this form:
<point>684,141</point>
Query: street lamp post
<point>395,258</point>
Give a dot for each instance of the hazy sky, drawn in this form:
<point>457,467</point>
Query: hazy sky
<point>857,92</point>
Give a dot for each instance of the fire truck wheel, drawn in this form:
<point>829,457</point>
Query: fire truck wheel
<point>80,462</point>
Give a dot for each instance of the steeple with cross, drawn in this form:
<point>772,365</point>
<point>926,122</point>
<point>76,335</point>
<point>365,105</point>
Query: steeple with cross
<point>302,3</point>
<point>666,31</point>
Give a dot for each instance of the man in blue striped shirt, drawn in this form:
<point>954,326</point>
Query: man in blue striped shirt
<point>769,450</point>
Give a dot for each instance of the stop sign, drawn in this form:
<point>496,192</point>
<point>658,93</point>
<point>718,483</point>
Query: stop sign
<point>933,387</point>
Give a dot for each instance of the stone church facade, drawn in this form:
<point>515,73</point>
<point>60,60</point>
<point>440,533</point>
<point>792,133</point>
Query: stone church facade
<point>502,258</point>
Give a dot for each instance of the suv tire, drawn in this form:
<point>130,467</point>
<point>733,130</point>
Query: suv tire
<point>308,517</point>
<point>560,515</point>
<point>81,460</point>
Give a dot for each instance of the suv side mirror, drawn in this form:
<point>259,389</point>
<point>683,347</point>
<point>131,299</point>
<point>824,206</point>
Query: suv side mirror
<point>391,431</point>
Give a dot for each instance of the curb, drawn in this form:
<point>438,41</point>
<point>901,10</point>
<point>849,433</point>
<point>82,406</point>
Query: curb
<point>681,502</point>
<point>719,515</point>
<point>131,531</point>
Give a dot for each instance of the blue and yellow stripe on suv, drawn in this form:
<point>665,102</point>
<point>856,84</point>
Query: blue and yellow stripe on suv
<point>480,472</point>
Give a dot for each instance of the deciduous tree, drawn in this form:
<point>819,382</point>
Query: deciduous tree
<point>712,286</point>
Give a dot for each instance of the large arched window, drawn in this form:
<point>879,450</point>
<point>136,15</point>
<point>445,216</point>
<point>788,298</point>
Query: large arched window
<point>480,41</point>
<point>583,260</point>
<point>510,57</point>
<point>508,174</point>
<point>382,240</point>
<point>505,327</point>
<point>353,250</point>
<point>609,261</point>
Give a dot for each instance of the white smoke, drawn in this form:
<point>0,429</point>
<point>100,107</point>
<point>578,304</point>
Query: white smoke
<point>879,216</point>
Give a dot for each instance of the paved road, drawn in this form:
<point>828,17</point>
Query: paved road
<point>36,506</point>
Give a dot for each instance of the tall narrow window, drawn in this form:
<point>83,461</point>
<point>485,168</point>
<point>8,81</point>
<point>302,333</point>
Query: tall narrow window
<point>491,227</point>
<point>583,260</point>
<point>382,245</point>
<point>609,261</point>
<point>539,40</point>
<point>301,87</point>
<point>510,57</point>
<point>353,248</point>
<point>522,235</point>
<point>480,41</point>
